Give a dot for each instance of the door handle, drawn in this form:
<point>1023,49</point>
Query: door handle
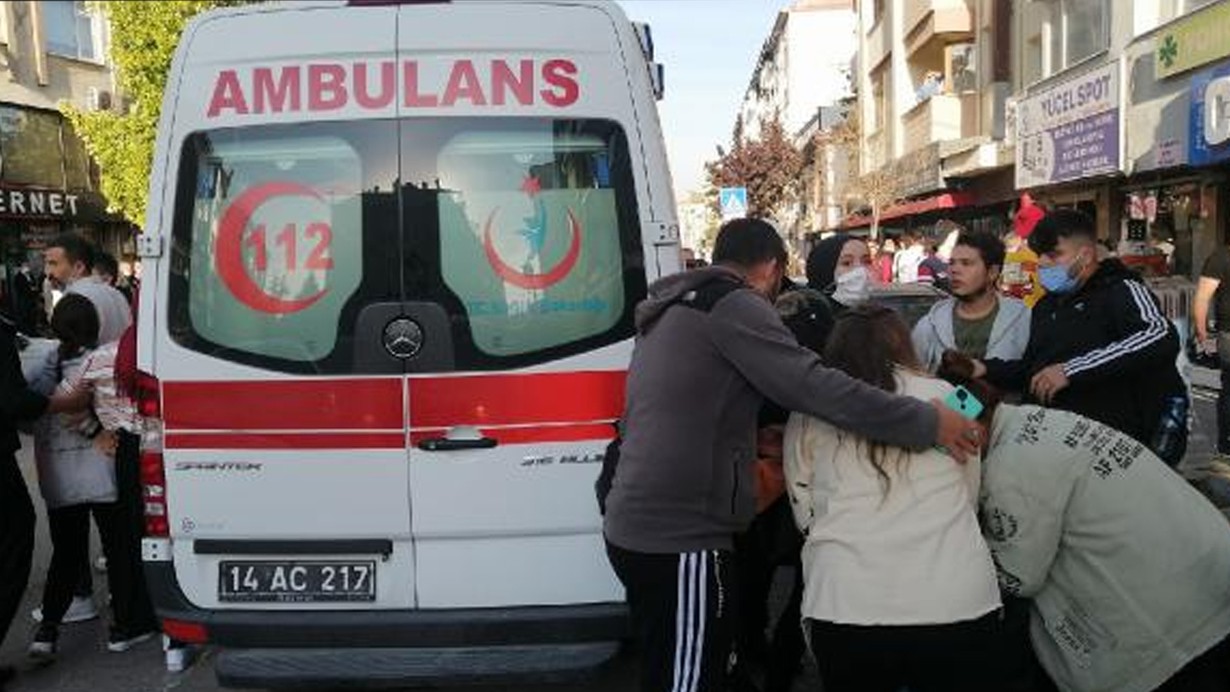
<point>444,444</point>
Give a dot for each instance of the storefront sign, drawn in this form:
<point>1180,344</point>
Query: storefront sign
<point>1169,153</point>
<point>1070,131</point>
<point>36,203</point>
<point>1196,40</point>
<point>1209,121</point>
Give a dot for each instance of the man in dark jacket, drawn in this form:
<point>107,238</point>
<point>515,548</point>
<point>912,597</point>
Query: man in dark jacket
<point>1099,344</point>
<point>17,403</point>
<point>710,347</point>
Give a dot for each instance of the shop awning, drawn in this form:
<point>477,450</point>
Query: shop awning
<point>944,200</point>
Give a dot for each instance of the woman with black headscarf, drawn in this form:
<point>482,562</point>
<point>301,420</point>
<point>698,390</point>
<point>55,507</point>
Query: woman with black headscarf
<point>840,267</point>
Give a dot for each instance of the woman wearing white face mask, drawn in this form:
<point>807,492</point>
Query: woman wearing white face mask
<point>840,267</point>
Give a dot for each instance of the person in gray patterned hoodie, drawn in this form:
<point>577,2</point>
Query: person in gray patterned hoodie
<point>1127,565</point>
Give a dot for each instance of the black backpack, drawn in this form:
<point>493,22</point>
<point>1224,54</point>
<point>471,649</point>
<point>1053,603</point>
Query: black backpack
<point>702,298</point>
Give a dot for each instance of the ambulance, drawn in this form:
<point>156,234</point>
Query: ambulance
<point>390,265</point>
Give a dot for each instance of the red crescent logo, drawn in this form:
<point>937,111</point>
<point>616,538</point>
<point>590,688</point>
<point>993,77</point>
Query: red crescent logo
<point>534,281</point>
<point>228,254</point>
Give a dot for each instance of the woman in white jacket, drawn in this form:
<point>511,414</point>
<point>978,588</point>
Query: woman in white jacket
<point>900,588</point>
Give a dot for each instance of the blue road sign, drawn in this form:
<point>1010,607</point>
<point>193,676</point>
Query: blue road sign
<point>733,201</point>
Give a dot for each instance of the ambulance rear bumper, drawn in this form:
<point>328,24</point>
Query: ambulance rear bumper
<point>380,629</point>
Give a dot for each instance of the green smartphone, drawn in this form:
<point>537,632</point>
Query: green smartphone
<point>964,403</point>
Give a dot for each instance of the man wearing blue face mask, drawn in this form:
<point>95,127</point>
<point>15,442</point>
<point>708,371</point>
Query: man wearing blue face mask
<point>1099,344</point>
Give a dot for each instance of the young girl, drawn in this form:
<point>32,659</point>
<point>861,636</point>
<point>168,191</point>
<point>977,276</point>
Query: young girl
<point>78,479</point>
<point>900,589</point>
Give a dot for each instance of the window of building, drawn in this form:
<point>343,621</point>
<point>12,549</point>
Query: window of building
<point>1148,15</point>
<point>1062,33</point>
<point>1036,18</point>
<point>961,67</point>
<point>1085,30</point>
<point>879,107</point>
<point>72,30</point>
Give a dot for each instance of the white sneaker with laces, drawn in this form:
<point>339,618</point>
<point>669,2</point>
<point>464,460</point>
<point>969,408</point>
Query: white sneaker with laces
<point>82,609</point>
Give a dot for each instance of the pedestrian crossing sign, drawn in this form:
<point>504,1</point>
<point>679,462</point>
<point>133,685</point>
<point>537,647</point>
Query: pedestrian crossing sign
<point>733,202</point>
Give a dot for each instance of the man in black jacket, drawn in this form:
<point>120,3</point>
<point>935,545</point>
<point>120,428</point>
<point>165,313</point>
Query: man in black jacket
<point>1099,344</point>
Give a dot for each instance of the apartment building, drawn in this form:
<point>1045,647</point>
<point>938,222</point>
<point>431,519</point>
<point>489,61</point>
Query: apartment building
<point>933,91</point>
<point>802,75</point>
<point>51,52</point>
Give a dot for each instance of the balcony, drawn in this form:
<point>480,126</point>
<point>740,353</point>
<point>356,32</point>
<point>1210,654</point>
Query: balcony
<point>930,21</point>
<point>941,118</point>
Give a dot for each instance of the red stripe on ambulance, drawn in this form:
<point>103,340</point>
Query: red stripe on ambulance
<point>495,400</point>
<point>364,404</point>
<point>369,414</point>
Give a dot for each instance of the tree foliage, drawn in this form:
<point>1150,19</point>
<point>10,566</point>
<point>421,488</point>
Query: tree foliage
<point>768,166</point>
<point>143,40</point>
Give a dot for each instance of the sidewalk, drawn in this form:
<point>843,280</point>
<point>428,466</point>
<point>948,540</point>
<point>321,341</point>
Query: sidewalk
<point>84,663</point>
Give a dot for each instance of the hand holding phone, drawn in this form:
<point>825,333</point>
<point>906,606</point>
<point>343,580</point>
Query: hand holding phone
<point>964,403</point>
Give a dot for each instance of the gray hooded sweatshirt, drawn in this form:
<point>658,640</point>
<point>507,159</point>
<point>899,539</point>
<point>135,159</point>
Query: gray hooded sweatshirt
<point>695,385</point>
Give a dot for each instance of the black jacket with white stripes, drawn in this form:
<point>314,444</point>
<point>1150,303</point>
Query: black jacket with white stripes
<point>1117,348</point>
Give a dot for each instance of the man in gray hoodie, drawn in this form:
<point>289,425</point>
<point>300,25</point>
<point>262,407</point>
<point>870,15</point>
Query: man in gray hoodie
<point>710,348</point>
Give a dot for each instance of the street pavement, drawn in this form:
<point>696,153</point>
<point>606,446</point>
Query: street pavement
<point>84,665</point>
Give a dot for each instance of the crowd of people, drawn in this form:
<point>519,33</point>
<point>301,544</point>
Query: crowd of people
<point>71,391</point>
<point>986,501</point>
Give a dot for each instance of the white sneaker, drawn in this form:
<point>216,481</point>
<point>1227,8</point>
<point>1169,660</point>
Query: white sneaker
<point>119,642</point>
<point>178,658</point>
<point>82,609</point>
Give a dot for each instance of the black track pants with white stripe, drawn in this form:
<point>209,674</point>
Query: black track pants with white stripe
<point>683,614</point>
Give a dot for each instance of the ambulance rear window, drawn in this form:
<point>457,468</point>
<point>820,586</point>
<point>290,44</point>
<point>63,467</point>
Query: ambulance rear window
<point>523,231</point>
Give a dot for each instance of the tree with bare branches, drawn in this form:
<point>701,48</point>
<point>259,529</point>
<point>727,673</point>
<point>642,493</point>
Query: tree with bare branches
<point>878,189</point>
<point>768,166</point>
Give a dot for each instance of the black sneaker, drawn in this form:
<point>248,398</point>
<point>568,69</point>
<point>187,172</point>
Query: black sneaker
<point>43,646</point>
<point>121,641</point>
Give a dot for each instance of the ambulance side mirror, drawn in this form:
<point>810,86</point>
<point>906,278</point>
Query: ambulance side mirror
<point>657,77</point>
<point>645,35</point>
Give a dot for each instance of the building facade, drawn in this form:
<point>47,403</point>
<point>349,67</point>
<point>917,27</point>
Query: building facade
<point>1118,113</point>
<point>933,91</point>
<point>51,52</point>
<point>802,75</point>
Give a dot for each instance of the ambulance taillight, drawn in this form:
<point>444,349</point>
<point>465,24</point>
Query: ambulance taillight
<point>153,473</point>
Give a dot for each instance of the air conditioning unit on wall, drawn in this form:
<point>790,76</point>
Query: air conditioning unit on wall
<point>97,99</point>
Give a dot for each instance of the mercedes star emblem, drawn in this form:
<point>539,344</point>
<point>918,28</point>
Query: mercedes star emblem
<point>403,338</point>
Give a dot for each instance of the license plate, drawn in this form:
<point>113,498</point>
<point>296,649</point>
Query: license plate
<point>297,581</point>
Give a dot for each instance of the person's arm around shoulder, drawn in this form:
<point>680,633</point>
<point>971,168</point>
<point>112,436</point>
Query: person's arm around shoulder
<point>748,332</point>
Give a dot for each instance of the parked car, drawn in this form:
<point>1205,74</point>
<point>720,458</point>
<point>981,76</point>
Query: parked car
<point>911,300</point>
